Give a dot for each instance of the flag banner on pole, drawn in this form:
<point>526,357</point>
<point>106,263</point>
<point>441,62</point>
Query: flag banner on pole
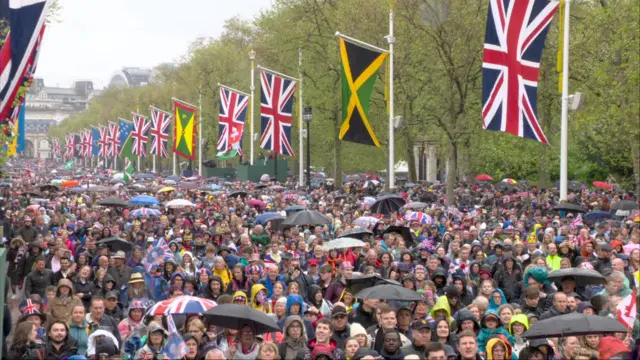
<point>627,311</point>
<point>360,67</point>
<point>55,147</point>
<point>113,140</point>
<point>160,122</point>
<point>222,155</point>
<point>18,56</point>
<point>233,113</point>
<point>68,165</point>
<point>140,135</point>
<point>103,141</point>
<point>21,135</point>
<point>184,129</point>
<point>276,106</point>
<point>175,347</point>
<point>124,133</point>
<point>88,143</point>
<point>126,152</point>
<point>514,40</point>
<point>96,137</point>
<point>67,152</point>
<point>77,149</point>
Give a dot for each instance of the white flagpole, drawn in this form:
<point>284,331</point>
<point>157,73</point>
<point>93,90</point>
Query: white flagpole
<point>175,164</point>
<point>564,135</point>
<point>391,40</point>
<point>300,151</point>
<point>154,164</point>
<point>252,57</point>
<point>200,131</point>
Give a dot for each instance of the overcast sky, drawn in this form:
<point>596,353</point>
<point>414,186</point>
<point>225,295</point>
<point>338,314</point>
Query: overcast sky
<point>94,38</point>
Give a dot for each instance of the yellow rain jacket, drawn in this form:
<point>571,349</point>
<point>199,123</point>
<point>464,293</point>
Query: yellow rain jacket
<point>442,304</point>
<point>255,289</point>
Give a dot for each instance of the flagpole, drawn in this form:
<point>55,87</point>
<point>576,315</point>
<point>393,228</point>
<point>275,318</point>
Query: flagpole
<point>175,163</point>
<point>301,170</point>
<point>154,164</point>
<point>564,136</point>
<point>252,58</point>
<point>200,131</point>
<point>391,40</point>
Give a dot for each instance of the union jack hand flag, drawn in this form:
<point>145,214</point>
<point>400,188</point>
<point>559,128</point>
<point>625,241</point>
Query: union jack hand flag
<point>113,140</point>
<point>276,105</point>
<point>514,40</point>
<point>139,134</point>
<point>103,145</point>
<point>233,112</point>
<point>160,121</point>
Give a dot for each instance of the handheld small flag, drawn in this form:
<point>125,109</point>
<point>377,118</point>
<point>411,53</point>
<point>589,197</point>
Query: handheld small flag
<point>175,348</point>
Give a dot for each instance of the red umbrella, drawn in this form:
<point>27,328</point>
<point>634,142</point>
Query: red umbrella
<point>603,185</point>
<point>484,177</point>
<point>256,202</point>
<point>70,183</point>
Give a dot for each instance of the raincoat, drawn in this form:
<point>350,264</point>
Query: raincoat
<point>264,307</point>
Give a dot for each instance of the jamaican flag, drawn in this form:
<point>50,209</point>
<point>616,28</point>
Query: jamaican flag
<point>184,131</point>
<point>359,69</point>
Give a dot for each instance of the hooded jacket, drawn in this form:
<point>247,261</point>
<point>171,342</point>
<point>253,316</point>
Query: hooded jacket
<point>308,325</point>
<point>464,315</point>
<point>492,303</point>
<point>507,280</point>
<point>207,291</point>
<point>493,342</point>
<point>266,281</point>
<point>466,297</point>
<point>291,349</point>
<point>80,333</point>
<point>330,350</point>
<point>442,304</point>
<point>486,333</point>
<point>61,308</point>
<point>224,275</point>
<point>255,289</point>
<point>243,295</point>
<point>323,306</point>
<point>611,346</point>
<point>520,343</point>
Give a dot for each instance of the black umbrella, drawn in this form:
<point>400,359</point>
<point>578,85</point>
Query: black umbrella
<point>306,217</point>
<point>31,193</point>
<point>233,316</point>
<point>597,215</point>
<point>571,185</point>
<point>115,244</point>
<point>340,197</point>
<point>389,292</point>
<point>188,185</point>
<point>261,186</point>
<point>357,233</point>
<point>624,205</point>
<point>49,188</point>
<point>574,324</point>
<point>294,209</point>
<point>402,230</point>
<point>387,204</point>
<point>582,276</point>
<point>359,283</point>
<point>234,194</point>
<point>113,202</point>
<point>569,207</point>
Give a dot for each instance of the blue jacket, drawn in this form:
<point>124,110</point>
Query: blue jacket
<point>269,285</point>
<point>492,305</point>
<point>80,333</point>
<point>486,334</point>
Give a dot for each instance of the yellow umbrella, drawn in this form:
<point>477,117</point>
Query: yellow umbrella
<point>166,189</point>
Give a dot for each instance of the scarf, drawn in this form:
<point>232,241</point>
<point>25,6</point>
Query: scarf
<point>248,354</point>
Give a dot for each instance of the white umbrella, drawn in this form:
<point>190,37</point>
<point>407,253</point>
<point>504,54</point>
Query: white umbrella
<point>178,203</point>
<point>118,176</point>
<point>343,243</point>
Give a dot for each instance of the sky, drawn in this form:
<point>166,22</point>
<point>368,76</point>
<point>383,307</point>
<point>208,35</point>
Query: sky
<point>92,39</point>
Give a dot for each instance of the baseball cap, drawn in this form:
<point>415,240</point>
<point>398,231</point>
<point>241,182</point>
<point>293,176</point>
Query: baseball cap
<point>420,324</point>
<point>338,311</point>
<point>112,295</point>
<point>312,262</point>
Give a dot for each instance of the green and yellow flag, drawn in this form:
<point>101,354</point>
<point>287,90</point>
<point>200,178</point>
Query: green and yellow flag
<point>184,131</point>
<point>359,69</point>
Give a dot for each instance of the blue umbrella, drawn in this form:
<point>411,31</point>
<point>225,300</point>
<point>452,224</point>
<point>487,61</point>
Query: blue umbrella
<point>173,177</point>
<point>215,187</point>
<point>596,216</point>
<point>387,204</point>
<point>78,189</point>
<point>144,200</point>
<point>145,212</point>
<point>263,218</point>
<point>294,208</point>
<point>144,176</point>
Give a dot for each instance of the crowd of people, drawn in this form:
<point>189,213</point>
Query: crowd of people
<point>482,269</point>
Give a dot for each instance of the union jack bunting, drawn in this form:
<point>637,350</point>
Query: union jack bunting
<point>113,140</point>
<point>139,134</point>
<point>160,121</point>
<point>233,112</point>
<point>103,144</point>
<point>514,40</point>
<point>276,104</point>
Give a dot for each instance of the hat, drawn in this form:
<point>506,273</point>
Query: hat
<point>357,329</point>
<point>119,255</point>
<point>155,328</point>
<point>420,324</point>
<point>112,295</point>
<point>338,311</point>
<point>449,352</point>
<point>312,262</point>
<point>364,352</point>
<point>606,247</point>
<point>136,278</point>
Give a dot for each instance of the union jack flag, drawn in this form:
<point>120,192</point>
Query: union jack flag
<point>276,105</point>
<point>86,143</point>
<point>139,134</point>
<point>514,40</point>
<point>157,254</point>
<point>113,140</point>
<point>103,145</point>
<point>70,146</point>
<point>233,113</point>
<point>56,147</point>
<point>160,121</point>
<point>576,222</point>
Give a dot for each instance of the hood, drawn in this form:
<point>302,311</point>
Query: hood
<point>174,275</point>
<point>107,278</point>
<point>493,341</point>
<point>241,294</point>
<point>492,304</point>
<point>321,348</point>
<point>610,346</point>
<point>441,304</point>
<point>17,242</point>
<point>520,318</point>
<point>464,315</point>
<point>255,288</point>
<point>487,313</point>
<point>218,279</point>
<point>289,320</point>
<point>294,299</point>
<point>67,283</point>
<point>439,272</point>
<point>313,289</point>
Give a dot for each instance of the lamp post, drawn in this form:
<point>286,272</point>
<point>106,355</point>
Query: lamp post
<point>307,115</point>
<point>252,57</point>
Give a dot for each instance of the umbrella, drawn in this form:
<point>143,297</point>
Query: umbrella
<point>70,183</point>
<point>179,203</point>
<point>624,205</point>
<point>173,178</point>
<point>116,181</point>
<point>233,316</point>
<point>33,207</point>
<point>389,292</point>
<point>170,182</point>
<point>188,185</point>
<point>603,185</point>
<point>31,193</point>
<point>145,200</point>
<point>277,188</point>
<point>569,207</point>
<point>343,243</point>
<point>597,215</point>
<point>357,233</point>
<point>78,189</point>
<point>141,189</point>
<point>402,230</point>
<point>99,188</point>
<point>49,188</point>
<point>265,217</point>
<point>144,176</point>
<point>359,283</point>
<point>114,202</point>
<point>212,179</point>
<point>371,183</point>
<point>184,304</point>
<point>260,186</point>
<point>256,202</point>
<point>581,275</point>
<point>387,204</point>
<point>571,185</point>
<point>166,189</point>
<point>509,181</point>
<point>115,244</point>
<point>306,217</point>
<point>573,324</point>
<point>417,205</point>
<point>484,177</point>
<point>234,194</point>
<point>145,212</point>
<point>366,221</point>
<point>419,217</point>
<point>294,208</point>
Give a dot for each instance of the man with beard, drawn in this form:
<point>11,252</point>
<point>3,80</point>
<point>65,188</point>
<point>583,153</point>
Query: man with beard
<point>121,273</point>
<point>59,345</point>
<point>27,232</point>
<point>65,270</point>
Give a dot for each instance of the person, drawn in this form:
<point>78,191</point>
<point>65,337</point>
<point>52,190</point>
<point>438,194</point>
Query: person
<point>421,334</point>
<point>322,343</point>
<point>294,345</point>
<point>27,232</point>
<point>62,305</point>
<point>216,354</point>
<point>391,348</point>
<point>247,346</point>
<point>269,351</point>
<point>517,327</point>
<point>24,343</point>
<point>364,313</point>
<point>498,349</point>
<point>559,306</point>
<point>351,346</point>
<point>434,351</point>
<point>154,344</point>
<point>191,344</point>
<point>134,318</point>
<point>120,272</point>
<point>468,346</point>
<point>38,279</point>
<point>387,322</point>
<point>341,330</point>
<point>112,306</point>
<point>79,329</point>
<point>59,344</point>
<point>359,333</point>
<point>98,319</point>
<point>490,326</point>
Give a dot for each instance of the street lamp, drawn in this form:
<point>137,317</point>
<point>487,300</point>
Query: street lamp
<point>307,115</point>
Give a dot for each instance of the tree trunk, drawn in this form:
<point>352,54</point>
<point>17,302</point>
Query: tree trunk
<point>411,160</point>
<point>337,147</point>
<point>451,174</point>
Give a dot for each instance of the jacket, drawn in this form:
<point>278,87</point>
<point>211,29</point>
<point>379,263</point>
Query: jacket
<point>255,289</point>
<point>37,282</point>
<point>552,313</point>
<point>80,333</point>
<point>266,281</point>
<point>225,276</point>
<point>308,325</point>
<point>507,280</point>
<point>492,303</point>
<point>486,334</point>
<point>87,290</point>
<point>61,308</point>
<point>341,336</point>
<point>358,315</point>
<point>334,291</point>
<point>120,276</point>
<point>49,352</point>
<point>413,350</point>
<point>291,349</point>
<point>520,343</point>
<point>106,322</point>
<point>330,350</point>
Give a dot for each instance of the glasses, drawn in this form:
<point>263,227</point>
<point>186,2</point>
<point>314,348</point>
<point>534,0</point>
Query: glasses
<point>246,333</point>
<point>340,317</point>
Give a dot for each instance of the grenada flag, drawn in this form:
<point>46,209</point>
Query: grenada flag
<point>184,130</point>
